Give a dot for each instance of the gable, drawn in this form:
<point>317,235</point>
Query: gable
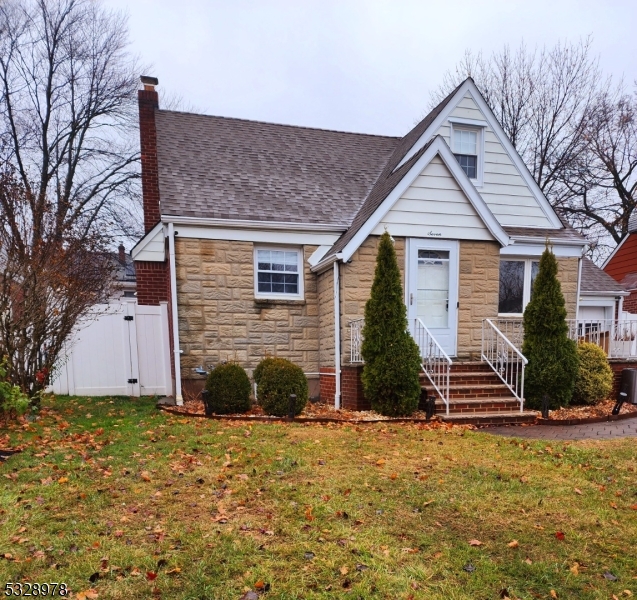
<point>434,205</point>
<point>504,189</point>
<point>151,247</point>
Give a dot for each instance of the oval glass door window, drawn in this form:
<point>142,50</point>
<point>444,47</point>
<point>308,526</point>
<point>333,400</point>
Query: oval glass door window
<point>433,288</point>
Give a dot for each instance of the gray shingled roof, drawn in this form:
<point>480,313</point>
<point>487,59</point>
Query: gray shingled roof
<point>226,168</point>
<point>594,280</point>
<point>568,234</point>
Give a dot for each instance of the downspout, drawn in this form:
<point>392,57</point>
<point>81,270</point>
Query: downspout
<point>173,300</point>
<point>337,335</point>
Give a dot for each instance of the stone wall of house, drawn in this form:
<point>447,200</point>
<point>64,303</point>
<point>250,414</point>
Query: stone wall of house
<point>478,290</point>
<point>220,319</point>
<point>567,273</point>
<point>325,289</point>
<point>357,277</point>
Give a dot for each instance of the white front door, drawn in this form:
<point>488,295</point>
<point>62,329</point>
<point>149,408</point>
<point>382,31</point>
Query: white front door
<point>433,289</point>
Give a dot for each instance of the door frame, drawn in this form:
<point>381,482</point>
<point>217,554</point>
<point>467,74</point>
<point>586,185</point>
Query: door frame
<point>411,266</point>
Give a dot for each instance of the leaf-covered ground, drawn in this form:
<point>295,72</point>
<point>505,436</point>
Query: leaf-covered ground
<point>119,500</point>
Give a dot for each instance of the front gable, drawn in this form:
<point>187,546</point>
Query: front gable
<point>505,183</point>
<point>434,206</point>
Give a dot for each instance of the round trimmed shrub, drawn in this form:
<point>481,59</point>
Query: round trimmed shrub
<point>594,381</point>
<point>278,378</point>
<point>256,374</point>
<point>228,389</point>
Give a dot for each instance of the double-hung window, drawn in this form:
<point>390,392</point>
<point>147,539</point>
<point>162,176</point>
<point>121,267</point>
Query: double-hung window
<point>516,284</point>
<point>465,149</point>
<point>278,273</point>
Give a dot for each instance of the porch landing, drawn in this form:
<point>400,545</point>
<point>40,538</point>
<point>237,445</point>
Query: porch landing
<point>477,396</point>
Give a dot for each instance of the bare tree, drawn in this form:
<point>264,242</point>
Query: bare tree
<point>46,287</point>
<point>541,98</point>
<point>67,110</point>
<point>69,162</point>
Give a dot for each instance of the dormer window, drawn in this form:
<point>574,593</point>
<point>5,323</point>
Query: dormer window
<point>465,149</point>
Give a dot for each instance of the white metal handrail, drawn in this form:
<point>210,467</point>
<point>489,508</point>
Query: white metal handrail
<point>434,360</point>
<point>504,358</point>
<point>356,340</point>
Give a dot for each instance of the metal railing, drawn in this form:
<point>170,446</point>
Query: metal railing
<point>434,360</point>
<point>617,337</point>
<point>504,358</point>
<point>356,340</point>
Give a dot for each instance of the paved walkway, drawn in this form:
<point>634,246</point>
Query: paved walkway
<point>594,431</point>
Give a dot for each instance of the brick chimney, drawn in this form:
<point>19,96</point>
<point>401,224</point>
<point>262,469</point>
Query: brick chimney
<point>121,254</point>
<point>148,101</point>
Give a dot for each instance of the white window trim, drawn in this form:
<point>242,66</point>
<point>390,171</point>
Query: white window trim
<point>526,293</point>
<point>274,296</point>
<point>479,129</point>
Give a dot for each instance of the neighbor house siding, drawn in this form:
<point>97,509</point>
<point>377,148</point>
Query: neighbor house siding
<point>504,189</point>
<point>357,277</point>
<point>434,204</point>
<point>625,259</point>
<point>219,318</point>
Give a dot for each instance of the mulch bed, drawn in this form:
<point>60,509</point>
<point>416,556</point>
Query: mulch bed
<point>315,412</point>
<point>581,415</point>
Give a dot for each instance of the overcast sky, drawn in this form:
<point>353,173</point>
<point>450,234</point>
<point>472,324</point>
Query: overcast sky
<point>366,66</point>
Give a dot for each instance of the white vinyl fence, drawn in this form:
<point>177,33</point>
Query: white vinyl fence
<point>124,352</point>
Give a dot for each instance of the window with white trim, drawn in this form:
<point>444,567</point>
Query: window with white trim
<point>517,276</point>
<point>466,144</point>
<point>278,273</point>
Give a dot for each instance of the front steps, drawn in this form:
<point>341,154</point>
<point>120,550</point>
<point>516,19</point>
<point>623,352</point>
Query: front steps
<point>477,396</point>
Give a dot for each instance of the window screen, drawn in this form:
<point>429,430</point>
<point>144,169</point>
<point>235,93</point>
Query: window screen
<point>278,272</point>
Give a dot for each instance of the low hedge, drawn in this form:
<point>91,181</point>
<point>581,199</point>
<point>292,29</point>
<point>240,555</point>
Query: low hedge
<point>594,381</point>
<point>228,388</point>
<point>278,378</point>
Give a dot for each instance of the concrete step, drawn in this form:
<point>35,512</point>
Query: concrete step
<point>493,418</point>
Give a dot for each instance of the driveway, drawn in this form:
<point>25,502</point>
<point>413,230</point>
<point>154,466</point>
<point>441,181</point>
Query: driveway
<point>593,431</point>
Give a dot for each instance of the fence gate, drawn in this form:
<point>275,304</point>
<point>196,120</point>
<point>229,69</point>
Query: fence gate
<point>123,352</point>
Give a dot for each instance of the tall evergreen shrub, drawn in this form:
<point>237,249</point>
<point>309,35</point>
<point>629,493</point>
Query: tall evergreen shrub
<point>392,359</point>
<point>552,356</point>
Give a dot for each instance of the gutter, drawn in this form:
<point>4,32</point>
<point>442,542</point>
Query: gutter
<point>325,263</point>
<point>175,321</point>
<point>580,260</point>
<point>251,224</point>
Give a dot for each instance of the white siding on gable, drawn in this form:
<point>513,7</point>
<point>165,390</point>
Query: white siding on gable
<point>504,189</point>
<point>434,206</point>
<point>152,249</point>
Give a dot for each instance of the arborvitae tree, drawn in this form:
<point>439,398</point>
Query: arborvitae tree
<point>392,359</point>
<point>552,356</point>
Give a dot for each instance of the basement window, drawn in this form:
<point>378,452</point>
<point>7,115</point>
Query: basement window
<point>278,273</point>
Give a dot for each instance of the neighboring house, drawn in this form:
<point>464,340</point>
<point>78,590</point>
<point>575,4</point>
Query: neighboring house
<point>601,297</point>
<point>263,238</point>
<point>124,274</point>
<point>621,265</point>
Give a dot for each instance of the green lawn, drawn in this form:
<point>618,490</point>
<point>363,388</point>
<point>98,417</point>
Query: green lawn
<point>119,500</point>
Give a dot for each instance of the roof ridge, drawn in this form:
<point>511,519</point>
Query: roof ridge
<point>256,121</point>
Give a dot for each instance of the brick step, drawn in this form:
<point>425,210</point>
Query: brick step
<point>472,391</point>
<point>493,418</point>
<point>467,379</point>
<point>471,366</point>
<point>479,405</point>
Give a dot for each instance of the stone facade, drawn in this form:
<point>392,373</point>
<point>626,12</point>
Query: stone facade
<point>478,290</point>
<point>220,319</point>
<point>567,273</point>
<point>357,277</point>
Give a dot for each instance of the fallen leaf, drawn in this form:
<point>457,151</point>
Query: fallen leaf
<point>627,593</point>
<point>173,571</point>
<point>436,555</point>
<point>393,476</point>
<point>344,570</point>
<point>380,462</point>
<point>469,568</point>
<point>528,561</point>
<point>145,475</point>
<point>578,491</point>
<point>63,480</point>
<point>560,535</point>
<point>513,544</point>
<point>608,575</point>
<point>553,594</point>
<point>151,576</point>
<point>575,569</point>
<point>475,543</point>
<point>308,514</point>
<point>613,505</point>
<point>634,507</point>
<point>87,595</point>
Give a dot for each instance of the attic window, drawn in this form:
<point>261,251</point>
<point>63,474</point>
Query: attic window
<point>465,149</point>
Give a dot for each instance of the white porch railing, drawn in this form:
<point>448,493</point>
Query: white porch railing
<point>356,340</point>
<point>504,358</point>
<point>434,360</point>
<point>617,337</point>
